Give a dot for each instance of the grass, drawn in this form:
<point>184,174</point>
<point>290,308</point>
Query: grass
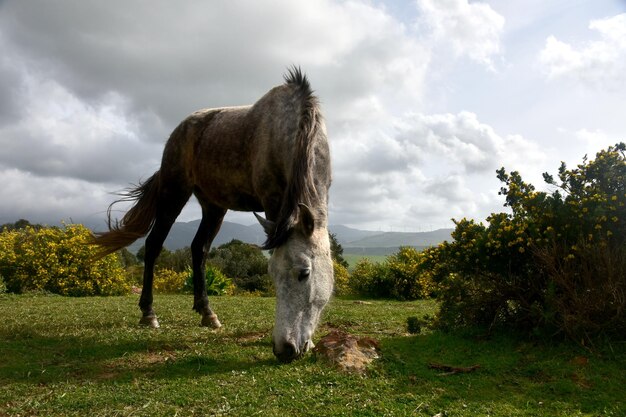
<point>87,356</point>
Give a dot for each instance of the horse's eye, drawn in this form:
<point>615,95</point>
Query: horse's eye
<point>304,274</point>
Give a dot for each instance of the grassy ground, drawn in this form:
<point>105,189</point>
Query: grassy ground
<point>87,356</point>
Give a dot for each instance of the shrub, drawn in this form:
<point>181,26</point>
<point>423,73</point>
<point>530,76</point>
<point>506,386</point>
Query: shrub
<point>169,281</point>
<point>403,276</point>
<point>342,279</point>
<point>370,279</point>
<point>216,282</point>
<point>178,260</point>
<point>554,264</point>
<point>59,261</point>
<point>244,264</point>
<point>409,279</point>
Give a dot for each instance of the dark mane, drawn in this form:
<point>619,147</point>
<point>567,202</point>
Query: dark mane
<point>296,77</point>
<point>301,187</point>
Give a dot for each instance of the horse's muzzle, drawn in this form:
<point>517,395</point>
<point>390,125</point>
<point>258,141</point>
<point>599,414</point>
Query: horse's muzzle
<point>286,353</point>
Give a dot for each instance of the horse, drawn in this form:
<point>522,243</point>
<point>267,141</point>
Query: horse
<point>273,157</point>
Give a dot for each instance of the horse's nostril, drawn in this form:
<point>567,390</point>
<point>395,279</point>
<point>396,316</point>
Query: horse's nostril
<point>287,353</point>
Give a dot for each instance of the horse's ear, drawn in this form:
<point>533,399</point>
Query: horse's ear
<point>268,225</point>
<point>306,220</point>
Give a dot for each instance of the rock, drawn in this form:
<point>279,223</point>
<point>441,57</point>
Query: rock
<point>349,353</point>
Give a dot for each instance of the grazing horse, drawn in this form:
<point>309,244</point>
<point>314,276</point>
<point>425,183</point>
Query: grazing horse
<point>272,156</point>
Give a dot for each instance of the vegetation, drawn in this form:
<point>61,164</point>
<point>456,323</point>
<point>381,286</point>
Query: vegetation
<point>75,356</point>
<point>216,282</point>
<point>401,276</point>
<point>336,251</point>
<point>170,281</point>
<point>555,264</point>
<point>178,260</point>
<point>57,260</point>
<point>245,264</point>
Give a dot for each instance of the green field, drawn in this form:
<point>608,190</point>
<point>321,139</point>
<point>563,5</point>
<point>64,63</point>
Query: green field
<point>87,356</point>
<point>353,258</point>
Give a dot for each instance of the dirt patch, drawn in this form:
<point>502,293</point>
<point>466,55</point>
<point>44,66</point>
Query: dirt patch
<point>250,337</point>
<point>349,353</point>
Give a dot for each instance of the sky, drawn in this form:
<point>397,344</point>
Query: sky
<point>423,99</point>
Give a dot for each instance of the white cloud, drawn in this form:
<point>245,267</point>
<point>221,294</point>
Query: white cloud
<point>426,166</point>
<point>471,29</point>
<point>596,140</point>
<point>598,63</point>
<point>92,95</point>
<point>88,97</point>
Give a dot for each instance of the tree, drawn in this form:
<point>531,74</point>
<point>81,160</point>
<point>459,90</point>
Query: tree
<point>336,250</point>
<point>178,261</point>
<point>19,225</point>
<point>245,264</point>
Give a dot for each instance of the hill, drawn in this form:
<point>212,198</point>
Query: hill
<point>352,240</point>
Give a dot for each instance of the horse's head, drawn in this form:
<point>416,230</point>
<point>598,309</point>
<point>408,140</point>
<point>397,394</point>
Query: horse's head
<point>302,270</point>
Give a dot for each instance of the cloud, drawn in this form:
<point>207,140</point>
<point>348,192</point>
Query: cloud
<point>27,196</point>
<point>62,136</point>
<point>89,96</point>
<point>470,29</point>
<point>428,164</point>
<point>599,63</point>
<point>89,93</point>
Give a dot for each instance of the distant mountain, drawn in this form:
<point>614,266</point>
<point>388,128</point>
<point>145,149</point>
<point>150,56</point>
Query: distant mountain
<point>396,239</point>
<point>345,234</point>
<point>182,234</point>
<point>352,240</point>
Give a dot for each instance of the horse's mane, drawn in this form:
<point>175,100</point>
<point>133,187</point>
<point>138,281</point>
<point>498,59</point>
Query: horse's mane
<point>301,184</point>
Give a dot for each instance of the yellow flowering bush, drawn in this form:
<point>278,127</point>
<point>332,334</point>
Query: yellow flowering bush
<point>403,276</point>
<point>556,262</point>
<point>169,281</point>
<point>342,279</point>
<point>58,260</point>
<point>410,280</point>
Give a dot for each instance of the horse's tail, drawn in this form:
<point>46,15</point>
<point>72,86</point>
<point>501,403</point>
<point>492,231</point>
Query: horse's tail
<point>136,223</point>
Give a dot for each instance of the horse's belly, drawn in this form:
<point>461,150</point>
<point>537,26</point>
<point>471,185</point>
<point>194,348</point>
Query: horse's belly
<point>229,198</point>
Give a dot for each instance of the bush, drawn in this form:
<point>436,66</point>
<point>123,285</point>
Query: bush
<point>169,281</point>
<point>409,279</point>
<point>554,264</point>
<point>59,261</point>
<point>370,279</point>
<point>403,276</point>
<point>216,282</point>
<point>244,264</point>
<point>342,279</point>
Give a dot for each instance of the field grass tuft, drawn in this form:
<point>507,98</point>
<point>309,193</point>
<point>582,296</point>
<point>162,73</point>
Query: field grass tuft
<point>87,356</point>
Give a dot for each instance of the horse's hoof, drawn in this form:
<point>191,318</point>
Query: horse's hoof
<point>149,321</point>
<point>210,320</point>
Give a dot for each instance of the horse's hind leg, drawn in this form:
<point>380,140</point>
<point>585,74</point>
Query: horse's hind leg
<point>209,226</point>
<point>170,205</point>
